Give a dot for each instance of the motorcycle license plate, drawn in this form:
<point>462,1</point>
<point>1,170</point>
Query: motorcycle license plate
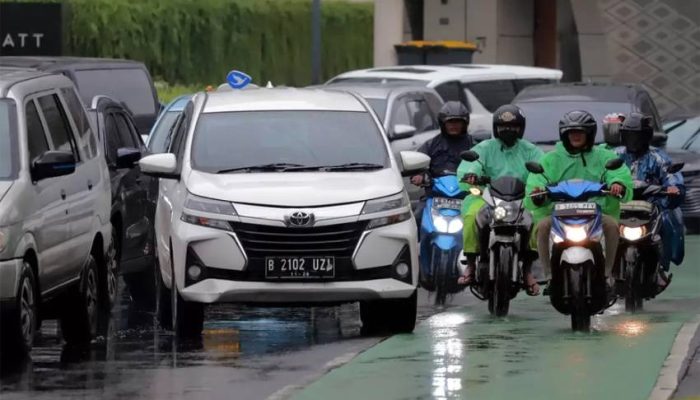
<point>442,203</point>
<point>299,267</point>
<point>569,209</point>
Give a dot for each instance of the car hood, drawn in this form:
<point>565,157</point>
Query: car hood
<point>296,189</point>
<point>691,159</point>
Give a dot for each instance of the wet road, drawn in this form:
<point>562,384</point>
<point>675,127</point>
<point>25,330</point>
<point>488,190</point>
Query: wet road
<point>464,353</point>
<point>244,353</point>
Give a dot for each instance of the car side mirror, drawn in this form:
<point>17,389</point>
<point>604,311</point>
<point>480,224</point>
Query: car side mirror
<point>127,157</point>
<point>676,168</point>
<point>162,165</point>
<point>51,164</point>
<point>612,165</point>
<point>413,163</point>
<point>534,167</point>
<point>403,131</point>
<point>469,156</point>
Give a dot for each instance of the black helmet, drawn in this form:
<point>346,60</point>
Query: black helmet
<point>453,110</point>
<point>611,129</point>
<point>508,124</point>
<point>636,133</point>
<point>578,120</point>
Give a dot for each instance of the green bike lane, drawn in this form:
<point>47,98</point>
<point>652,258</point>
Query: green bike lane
<point>464,353</point>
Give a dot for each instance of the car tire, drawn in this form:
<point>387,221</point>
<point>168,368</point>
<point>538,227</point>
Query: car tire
<point>141,286</point>
<point>190,318</point>
<point>164,311</point>
<point>80,312</point>
<point>109,277</point>
<point>389,316</point>
<point>20,323</point>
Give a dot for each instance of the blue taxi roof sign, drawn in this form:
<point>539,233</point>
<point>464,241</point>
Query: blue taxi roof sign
<point>238,80</point>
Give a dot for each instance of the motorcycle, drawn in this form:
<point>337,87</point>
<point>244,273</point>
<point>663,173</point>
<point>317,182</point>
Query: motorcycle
<point>504,230</point>
<point>577,258</point>
<point>640,246</point>
<point>441,237</point>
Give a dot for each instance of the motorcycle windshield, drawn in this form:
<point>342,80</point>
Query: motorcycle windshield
<point>575,190</point>
<point>447,186</point>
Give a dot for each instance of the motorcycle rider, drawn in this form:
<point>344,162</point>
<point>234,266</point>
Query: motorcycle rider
<point>650,164</point>
<point>444,149</point>
<point>576,157</point>
<point>504,155</point>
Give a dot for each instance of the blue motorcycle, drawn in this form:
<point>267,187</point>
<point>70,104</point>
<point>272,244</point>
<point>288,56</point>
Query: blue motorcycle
<point>577,255</point>
<point>441,237</point>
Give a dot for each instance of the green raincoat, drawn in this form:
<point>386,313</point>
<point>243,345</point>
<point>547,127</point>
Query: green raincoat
<point>560,165</point>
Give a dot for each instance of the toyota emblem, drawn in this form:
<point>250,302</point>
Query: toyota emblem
<point>300,219</point>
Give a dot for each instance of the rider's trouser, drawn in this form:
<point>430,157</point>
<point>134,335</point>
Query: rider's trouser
<point>471,230</point>
<point>612,237</point>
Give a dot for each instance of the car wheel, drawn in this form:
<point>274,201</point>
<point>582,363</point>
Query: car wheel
<point>109,282</point>
<point>164,310</point>
<point>20,323</point>
<point>190,318</point>
<point>389,316</point>
<point>80,312</point>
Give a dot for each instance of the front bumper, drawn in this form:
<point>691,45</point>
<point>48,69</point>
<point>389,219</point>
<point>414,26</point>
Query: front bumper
<point>9,276</point>
<point>216,290</point>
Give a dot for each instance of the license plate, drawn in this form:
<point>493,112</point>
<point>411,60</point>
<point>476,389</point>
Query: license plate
<point>299,267</point>
<point>575,208</point>
<point>442,203</point>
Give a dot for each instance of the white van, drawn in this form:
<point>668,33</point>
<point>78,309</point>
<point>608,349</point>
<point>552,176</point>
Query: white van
<point>284,196</point>
<point>482,88</point>
<point>55,198</point>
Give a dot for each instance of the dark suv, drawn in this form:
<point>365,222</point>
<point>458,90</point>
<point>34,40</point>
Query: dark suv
<point>133,197</point>
<point>124,80</point>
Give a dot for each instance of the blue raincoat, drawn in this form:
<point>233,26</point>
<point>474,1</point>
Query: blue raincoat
<point>652,168</point>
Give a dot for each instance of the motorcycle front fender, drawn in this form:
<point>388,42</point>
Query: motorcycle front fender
<point>577,255</point>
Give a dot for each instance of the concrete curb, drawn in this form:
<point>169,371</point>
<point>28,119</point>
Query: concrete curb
<point>677,362</point>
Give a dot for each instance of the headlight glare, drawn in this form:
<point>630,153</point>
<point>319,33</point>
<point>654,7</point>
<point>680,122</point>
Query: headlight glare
<point>575,233</point>
<point>499,213</point>
<point>455,225</point>
<point>441,224</point>
<point>633,233</point>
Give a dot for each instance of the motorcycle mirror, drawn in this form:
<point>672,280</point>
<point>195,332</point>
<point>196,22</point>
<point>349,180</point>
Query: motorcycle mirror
<point>469,156</point>
<point>614,164</point>
<point>534,167</point>
<point>676,168</point>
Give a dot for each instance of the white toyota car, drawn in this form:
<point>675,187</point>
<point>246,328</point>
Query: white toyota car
<point>284,196</point>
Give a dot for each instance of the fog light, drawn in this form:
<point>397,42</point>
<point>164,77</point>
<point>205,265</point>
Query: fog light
<point>194,272</point>
<point>402,270</point>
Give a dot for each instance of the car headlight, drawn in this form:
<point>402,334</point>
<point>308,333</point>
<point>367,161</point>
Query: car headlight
<point>211,206</point>
<point>575,233</point>
<point>393,202</point>
<point>195,204</point>
<point>391,219</point>
<point>633,233</point>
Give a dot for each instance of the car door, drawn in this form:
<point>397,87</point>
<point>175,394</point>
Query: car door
<point>58,196</point>
<point>134,193</point>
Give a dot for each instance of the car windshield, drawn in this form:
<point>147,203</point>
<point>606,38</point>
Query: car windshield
<point>694,144</point>
<point>8,140</point>
<point>543,117</point>
<point>683,131</point>
<point>158,138</point>
<point>379,107</point>
<point>272,140</point>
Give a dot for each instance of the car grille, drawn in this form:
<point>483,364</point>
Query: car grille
<point>265,241</point>
<point>691,205</point>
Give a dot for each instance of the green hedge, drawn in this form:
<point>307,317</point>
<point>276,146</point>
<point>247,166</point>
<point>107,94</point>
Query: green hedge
<point>198,42</point>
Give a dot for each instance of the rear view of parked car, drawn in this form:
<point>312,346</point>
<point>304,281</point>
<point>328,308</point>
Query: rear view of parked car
<point>54,211</point>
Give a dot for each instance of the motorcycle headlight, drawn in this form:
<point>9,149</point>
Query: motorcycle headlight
<point>475,191</point>
<point>447,224</point>
<point>441,224</point>
<point>556,238</point>
<point>575,233</point>
<point>455,225</point>
<point>500,213</point>
<point>633,233</point>
<point>397,201</point>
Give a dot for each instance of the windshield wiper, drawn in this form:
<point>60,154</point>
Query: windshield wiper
<point>263,167</point>
<point>339,167</point>
<point>676,125</point>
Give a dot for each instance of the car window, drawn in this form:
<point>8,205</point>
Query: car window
<point>126,138</point>
<point>36,137</point>
<point>493,94</point>
<point>400,115</point>
<point>77,112</point>
<point>130,85</point>
<point>57,123</point>
<point>434,102</point>
<point>379,107</point>
<point>450,91</point>
<point>8,139</point>
<point>521,84</point>
<point>111,137</point>
<point>157,141</point>
<point>181,134</point>
<point>420,115</point>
